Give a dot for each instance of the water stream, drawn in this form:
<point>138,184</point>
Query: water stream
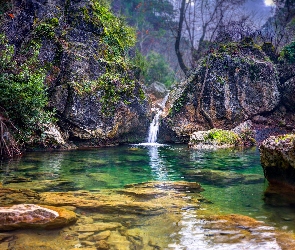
<point>154,126</point>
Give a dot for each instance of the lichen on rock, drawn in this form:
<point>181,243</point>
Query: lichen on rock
<point>278,159</point>
<point>229,86</point>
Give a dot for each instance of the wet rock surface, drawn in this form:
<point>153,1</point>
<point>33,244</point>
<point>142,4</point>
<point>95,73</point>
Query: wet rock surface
<point>278,159</point>
<point>155,215</point>
<point>34,216</point>
<point>222,178</point>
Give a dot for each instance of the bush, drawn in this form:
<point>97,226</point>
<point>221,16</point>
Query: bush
<point>158,70</point>
<point>222,137</point>
<point>288,53</point>
<point>23,94</point>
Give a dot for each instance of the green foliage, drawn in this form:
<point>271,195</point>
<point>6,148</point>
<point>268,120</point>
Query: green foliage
<point>286,138</point>
<point>23,94</point>
<point>178,104</point>
<point>46,28</point>
<point>222,137</point>
<point>117,83</point>
<point>116,33</point>
<point>158,70</point>
<point>288,53</point>
<point>141,63</point>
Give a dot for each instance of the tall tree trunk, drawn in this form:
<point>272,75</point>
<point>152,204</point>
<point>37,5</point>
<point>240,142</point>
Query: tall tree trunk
<point>178,38</point>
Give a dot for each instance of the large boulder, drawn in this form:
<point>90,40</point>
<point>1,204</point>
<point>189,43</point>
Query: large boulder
<point>97,96</point>
<point>24,216</point>
<point>229,86</point>
<point>288,94</point>
<point>278,159</point>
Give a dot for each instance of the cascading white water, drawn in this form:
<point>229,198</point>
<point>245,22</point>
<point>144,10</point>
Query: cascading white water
<point>154,127</point>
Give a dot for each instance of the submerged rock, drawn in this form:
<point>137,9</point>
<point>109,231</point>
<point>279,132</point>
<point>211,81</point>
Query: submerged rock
<point>278,159</point>
<point>222,178</point>
<point>25,216</point>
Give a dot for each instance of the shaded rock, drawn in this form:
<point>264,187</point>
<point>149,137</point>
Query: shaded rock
<point>260,119</point>
<point>229,86</point>
<point>246,132</point>
<point>278,159</point>
<point>73,49</point>
<point>34,216</point>
<point>279,196</point>
<point>288,94</point>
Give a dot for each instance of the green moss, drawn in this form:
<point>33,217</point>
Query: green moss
<point>286,137</point>
<point>46,28</point>
<point>178,104</point>
<point>288,53</point>
<point>222,137</point>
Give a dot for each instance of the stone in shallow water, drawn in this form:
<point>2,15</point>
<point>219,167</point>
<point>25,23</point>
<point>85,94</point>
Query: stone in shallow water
<point>98,226</point>
<point>34,216</point>
<point>101,236</point>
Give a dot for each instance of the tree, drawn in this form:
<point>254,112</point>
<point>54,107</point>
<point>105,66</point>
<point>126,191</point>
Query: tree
<point>151,18</point>
<point>199,22</point>
<point>280,29</point>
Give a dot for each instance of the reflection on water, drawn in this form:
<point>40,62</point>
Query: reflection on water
<point>157,165</point>
<point>233,182</point>
<point>198,234</point>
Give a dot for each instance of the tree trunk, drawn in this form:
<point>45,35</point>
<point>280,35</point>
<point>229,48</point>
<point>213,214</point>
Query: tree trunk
<point>178,38</point>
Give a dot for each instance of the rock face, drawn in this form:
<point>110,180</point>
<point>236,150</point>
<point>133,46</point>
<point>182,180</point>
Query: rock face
<point>278,159</point>
<point>229,86</point>
<point>288,94</point>
<point>34,216</point>
<point>71,36</point>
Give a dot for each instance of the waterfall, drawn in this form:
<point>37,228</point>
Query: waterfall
<point>154,126</point>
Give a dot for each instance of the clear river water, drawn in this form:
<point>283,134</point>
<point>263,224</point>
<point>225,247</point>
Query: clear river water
<point>232,179</point>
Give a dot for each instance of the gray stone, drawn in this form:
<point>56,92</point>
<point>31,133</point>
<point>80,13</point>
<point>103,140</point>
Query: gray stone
<point>224,90</point>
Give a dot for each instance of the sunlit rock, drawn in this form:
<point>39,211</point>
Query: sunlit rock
<point>213,139</point>
<point>34,216</point>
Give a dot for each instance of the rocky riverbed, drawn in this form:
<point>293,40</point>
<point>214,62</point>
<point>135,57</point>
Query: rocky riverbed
<point>152,215</point>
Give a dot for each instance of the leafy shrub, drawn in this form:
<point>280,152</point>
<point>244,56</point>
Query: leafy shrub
<point>223,137</point>
<point>158,70</point>
<point>288,53</point>
<point>23,94</point>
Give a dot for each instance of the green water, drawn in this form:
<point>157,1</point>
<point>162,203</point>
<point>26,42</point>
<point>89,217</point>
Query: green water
<point>233,179</point>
